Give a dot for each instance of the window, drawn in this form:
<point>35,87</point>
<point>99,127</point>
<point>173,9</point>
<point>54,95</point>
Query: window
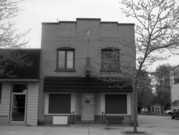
<point>116,104</point>
<point>59,103</point>
<point>110,59</point>
<point>65,59</point>
<point>19,88</point>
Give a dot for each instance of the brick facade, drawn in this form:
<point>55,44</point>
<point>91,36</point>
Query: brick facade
<point>87,37</point>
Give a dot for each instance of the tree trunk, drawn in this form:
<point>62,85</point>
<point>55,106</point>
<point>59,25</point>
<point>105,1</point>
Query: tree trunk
<point>135,106</point>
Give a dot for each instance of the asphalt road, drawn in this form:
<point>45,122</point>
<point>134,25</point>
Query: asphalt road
<point>162,122</point>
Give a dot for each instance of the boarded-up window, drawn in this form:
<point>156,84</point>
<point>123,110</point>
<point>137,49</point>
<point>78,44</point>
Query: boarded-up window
<point>116,104</point>
<point>59,103</point>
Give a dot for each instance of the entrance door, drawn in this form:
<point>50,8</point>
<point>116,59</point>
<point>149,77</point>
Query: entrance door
<point>157,109</point>
<point>18,107</point>
<point>87,106</point>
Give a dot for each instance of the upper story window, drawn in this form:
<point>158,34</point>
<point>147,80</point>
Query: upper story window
<point>110,59</point>
<point>65,59</point>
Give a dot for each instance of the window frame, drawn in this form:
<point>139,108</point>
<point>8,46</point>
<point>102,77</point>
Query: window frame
<point>118,57</point>
<point>65,69</point>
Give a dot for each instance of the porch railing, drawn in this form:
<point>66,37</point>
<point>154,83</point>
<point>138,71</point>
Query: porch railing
<point>71,118</point>
<point>104,119</point>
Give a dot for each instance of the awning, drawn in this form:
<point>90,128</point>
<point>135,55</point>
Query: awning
<point>85,85</point>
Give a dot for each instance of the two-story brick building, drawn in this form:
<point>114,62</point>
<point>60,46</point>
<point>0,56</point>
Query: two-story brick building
<point>81,72</point>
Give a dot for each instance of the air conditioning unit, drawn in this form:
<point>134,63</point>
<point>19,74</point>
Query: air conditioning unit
<point>60,120</point>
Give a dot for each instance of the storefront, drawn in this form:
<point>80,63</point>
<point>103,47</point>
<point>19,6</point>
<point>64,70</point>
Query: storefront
<point>87,100</point>
<point>19,91</point>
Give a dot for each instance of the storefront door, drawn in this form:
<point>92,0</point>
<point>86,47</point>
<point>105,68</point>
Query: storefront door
<point>87,106</point>
<point>18,104</point>
<point>18,107</point>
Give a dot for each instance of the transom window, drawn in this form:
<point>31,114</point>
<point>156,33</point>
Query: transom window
<point>65,58</point>
<point>19,88</point>
<point>110,59</point>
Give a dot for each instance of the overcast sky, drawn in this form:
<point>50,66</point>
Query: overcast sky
<point>37,11</point>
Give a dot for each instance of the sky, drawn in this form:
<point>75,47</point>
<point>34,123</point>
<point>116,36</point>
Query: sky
<point>34,12</point>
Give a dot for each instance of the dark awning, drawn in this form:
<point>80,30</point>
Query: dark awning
<point>21,64</point>
<point>83,84</point>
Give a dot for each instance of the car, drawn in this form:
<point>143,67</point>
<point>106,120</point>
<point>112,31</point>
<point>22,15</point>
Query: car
<point>168,112</point>
<point>175,113</point>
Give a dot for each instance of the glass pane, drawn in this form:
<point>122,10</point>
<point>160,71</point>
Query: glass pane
<point>70,59</point>
<point>61,59</point>
<point>19,88</point>
<point>18,108</point>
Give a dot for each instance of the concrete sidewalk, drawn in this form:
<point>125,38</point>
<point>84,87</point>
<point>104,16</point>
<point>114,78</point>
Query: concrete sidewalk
<point>82,130</point>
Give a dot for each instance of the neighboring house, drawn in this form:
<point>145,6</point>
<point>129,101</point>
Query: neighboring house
<point>157,109</point>
<point>19,87</point>
<point>175,88</point>
<point>77,57</point>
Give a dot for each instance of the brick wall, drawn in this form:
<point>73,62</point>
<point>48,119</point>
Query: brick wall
<point>73,34</point>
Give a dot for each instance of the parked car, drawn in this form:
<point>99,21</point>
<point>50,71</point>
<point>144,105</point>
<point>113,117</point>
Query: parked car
<point>175,113</point>
<point>168,112</point>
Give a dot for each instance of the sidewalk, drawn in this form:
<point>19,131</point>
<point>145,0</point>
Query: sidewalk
<point>82,130</point>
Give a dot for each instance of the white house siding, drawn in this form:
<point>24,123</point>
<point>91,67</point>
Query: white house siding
<point>5,102</point>
<point>175,92</point>
<point>174,88</point>
<point>32,103</point>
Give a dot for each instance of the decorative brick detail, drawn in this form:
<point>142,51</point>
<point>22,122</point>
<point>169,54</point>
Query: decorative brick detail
<point>4,119</point>
<point>127,120</point>
<point>48,119</point>
<point>119,120</point>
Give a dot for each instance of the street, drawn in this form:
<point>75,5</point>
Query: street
<point>159,122</point>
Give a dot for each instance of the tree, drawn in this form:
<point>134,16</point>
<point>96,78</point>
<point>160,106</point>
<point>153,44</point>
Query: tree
<point>156,33</point>
<point>145,93</point>
<point>9,37</point>
<point>162,87</point>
